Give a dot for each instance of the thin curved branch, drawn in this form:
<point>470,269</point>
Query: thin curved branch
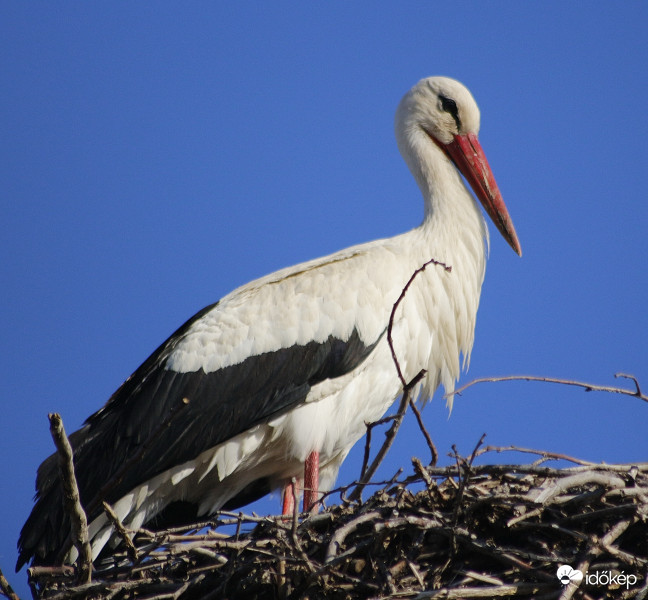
<point>543,454</point>
<point>422,268</point>
<point>408,387</point>
<point>434,453</point>
<point>588,387</point>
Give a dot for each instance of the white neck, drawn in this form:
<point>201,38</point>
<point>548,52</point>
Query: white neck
<point>448,204</point>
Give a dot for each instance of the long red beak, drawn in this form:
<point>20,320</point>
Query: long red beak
<point>466,153</point>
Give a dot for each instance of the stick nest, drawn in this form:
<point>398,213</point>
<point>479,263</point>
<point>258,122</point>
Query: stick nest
<point>461,531</point>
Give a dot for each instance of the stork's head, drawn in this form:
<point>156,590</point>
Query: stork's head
<point>442,107</point>
<point>440,113</point>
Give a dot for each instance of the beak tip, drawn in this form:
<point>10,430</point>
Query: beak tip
<point>511,237</point>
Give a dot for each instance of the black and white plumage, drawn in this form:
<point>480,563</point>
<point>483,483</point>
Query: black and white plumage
<point>294,363</point>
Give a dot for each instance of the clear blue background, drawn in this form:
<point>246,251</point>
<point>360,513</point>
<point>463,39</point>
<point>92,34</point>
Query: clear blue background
<point>157,155</point>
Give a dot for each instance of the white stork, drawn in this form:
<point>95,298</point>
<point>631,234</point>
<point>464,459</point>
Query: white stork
<point>287,370</point>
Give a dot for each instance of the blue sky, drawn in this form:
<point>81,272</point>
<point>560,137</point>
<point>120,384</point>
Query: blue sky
<point>157,155</point>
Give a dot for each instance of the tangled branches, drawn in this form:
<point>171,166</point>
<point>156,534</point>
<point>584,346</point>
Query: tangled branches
<point>462,531</point>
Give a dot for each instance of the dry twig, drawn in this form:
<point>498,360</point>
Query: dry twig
<point>588,387</point>
<point>121,531</point>
<point>6,589</point>
<point>78,520</point>
<point>406,399</point>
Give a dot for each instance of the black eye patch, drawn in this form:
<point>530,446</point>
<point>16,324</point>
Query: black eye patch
<point>450,106</point>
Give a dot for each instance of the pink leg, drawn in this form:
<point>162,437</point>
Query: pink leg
<point>291,491</point>
<point>311,482</point>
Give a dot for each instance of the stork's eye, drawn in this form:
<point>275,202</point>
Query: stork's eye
<point>450,106</point>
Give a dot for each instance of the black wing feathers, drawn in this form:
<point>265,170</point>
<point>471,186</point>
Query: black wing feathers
<point>222,404</point>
